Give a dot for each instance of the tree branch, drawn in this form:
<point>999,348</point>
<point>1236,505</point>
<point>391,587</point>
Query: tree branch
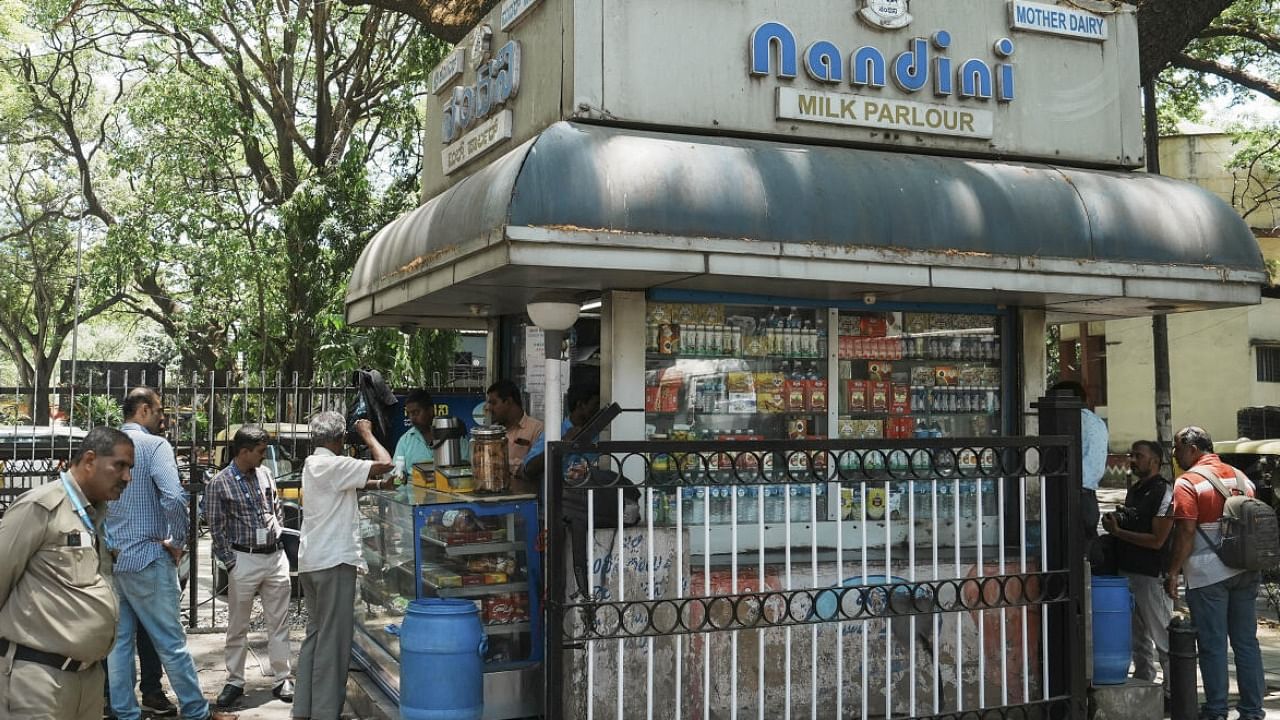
<point>1232,74</point>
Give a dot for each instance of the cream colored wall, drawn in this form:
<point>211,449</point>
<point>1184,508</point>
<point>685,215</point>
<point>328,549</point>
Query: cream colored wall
<point>1212,371</point>
<point>1202,159</point>
<point>1212,366</point>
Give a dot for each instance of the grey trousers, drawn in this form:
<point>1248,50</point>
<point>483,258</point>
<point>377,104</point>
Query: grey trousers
<point>321,688</point>
<point>1152,610</point>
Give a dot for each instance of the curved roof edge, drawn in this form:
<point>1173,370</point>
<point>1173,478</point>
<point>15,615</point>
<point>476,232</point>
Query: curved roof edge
<point>632,185</point>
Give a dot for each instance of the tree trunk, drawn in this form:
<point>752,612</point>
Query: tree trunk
<point>1166,26</point>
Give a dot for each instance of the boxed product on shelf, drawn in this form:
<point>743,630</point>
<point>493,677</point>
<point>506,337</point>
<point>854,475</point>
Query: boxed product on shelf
<point>770,402</point>
<point>879,395</point>
<point>856,395</point>
<point>742,403</point>
<point>880,370</point>
<point>816,395</point>
<point>798,428</point>
<point>922,375</point>
<point>496,563</point>
<point>945,375</point>
<point>873,325</point>
<point>770,381</point>
<point>441,576</point>
<point>861,428</point>
<point>740,382</point>
<point>900,399</point>
<point>795,395</point>
<point>669,397</point>
<point>651,395</point>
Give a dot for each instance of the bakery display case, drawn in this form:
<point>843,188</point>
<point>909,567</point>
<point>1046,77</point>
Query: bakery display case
<point>420,543</point>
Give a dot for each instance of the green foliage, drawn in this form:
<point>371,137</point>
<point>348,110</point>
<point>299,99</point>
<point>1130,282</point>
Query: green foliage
<point>94,410</point>
<point>1230,61</point>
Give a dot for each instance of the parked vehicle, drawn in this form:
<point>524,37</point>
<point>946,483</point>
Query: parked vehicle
<point>31,455</point>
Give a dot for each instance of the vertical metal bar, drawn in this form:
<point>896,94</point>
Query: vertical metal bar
<point>553,593</point>
<point>733,584</point>
<point>1004,614</point>
<point>650,561</point>
<point>761,584</point>
<point>1022,568</point>
<point>786,523</point>
<point>589,595</point>
<point>1044,609</point>
<point>888,576</point>
<point>982,613</point>
<point>911,571</point>
<point>956,518</point>
<point>210,414</point>
<point>706,593</point>
<point>839,503</point>
<point>935,537</point>
<point>619,537</point>
<point>680,593</point>
<point>866,629</point>
<point>813,562</point>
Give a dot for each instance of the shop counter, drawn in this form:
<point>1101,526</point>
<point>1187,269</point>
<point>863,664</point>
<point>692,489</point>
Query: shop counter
<point>422,543</point>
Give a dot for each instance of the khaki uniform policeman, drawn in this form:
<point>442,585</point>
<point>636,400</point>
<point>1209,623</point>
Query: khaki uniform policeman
<point>58,611</point>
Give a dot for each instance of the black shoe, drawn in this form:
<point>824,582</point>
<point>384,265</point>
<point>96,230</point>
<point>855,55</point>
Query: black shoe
<point>158,705</point>
<point>284,690</point>
<point>229,695</point>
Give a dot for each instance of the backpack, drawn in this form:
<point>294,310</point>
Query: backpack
<point>1249,528</point>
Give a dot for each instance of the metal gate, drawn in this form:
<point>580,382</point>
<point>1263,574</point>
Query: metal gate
<point>806,579</point>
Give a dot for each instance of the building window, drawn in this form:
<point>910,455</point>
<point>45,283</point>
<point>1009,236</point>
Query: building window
<point>1268,363</point>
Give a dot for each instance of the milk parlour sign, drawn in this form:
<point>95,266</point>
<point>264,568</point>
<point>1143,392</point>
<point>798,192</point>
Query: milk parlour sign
<point>946,95</point>
<point>473,119</point>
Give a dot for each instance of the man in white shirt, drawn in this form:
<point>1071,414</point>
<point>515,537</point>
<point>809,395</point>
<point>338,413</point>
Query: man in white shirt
<point>329,558</point>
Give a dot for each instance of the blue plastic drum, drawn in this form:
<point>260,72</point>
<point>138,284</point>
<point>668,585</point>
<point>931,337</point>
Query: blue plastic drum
<point>1112,642</point>
<point>442,650</point>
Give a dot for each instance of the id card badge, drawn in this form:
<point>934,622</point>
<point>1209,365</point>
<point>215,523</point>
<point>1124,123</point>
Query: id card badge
<point>260,536</point>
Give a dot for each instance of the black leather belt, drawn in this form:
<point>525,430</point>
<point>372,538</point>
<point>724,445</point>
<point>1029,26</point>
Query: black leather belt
<point>260,550</point>
<point>39,656</point>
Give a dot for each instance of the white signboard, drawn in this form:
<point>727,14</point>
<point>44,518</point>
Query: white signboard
<point>448,70</point>
<point>884,113</point>
<point>535,371</point>
<point>1056,20</point>
<point>513,11</point>
<point>479,141</point>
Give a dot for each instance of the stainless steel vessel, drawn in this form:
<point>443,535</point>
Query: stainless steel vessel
<point>446,441</point>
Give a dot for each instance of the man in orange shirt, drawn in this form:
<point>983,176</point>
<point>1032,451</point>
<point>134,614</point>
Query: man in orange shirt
<point>1223,600</point>
<point>505,407</point>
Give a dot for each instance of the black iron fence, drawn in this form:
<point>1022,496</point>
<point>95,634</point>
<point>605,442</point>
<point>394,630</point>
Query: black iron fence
<point>897,578</point>
<point>202,413</point>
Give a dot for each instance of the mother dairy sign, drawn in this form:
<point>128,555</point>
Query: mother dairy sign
<point>924,67</point>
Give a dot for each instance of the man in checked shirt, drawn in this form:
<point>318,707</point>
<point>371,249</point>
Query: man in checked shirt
<point>242,508</point>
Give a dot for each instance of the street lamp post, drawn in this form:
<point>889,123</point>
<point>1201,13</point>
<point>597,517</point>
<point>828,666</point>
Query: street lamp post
<point>554,315</point>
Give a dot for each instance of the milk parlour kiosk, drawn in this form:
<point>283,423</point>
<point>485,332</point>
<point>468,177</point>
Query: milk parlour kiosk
<point>882,203</point>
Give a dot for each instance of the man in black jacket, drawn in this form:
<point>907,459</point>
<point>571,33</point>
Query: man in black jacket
<point>1141,529</point>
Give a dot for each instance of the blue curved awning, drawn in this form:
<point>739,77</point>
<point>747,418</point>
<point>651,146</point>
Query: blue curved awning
<point>648,209</point>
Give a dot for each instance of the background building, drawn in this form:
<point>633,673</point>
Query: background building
<point>1219,360</point>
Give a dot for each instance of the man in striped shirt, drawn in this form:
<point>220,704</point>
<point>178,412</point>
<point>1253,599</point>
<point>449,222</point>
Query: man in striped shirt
<point>242,508</point>
<point>1223,600</point>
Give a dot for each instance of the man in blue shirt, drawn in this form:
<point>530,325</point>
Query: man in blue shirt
<point>148,526</point>
<point>1094,439</point>
<point>414,445</point>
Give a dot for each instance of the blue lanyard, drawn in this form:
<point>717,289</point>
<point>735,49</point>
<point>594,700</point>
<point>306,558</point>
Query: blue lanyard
<point>255,498</point>
<point>74,497</point>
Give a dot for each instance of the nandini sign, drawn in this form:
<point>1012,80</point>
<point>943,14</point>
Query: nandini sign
<point>924,64</point>
<point>497,81</point>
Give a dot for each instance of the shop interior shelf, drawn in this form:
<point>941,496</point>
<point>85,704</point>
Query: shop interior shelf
<point>508,628</point>
<point>753,358</point>
<point>477,590</point>
<point>462,549</point>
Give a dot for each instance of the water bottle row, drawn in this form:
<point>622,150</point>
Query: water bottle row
<point>715,505</point>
